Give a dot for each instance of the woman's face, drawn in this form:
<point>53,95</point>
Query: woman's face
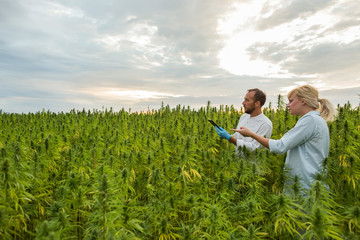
<point>295,106</point>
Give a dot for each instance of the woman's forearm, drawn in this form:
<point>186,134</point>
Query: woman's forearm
<point>263,141</point>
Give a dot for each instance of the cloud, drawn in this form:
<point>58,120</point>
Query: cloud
<point>52,52</point>
<point>287,11</point>
<point>311,44</point>
<point>326,58</point>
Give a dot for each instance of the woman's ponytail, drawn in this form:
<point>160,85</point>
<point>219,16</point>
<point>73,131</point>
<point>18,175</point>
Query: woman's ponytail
<point>327,110</point>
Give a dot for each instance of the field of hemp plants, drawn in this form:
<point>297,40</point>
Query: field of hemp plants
<point>165,174</point>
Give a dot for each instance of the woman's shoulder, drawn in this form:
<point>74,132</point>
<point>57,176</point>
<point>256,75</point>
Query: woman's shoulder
<point>312,118</point>
<point>308,119</point>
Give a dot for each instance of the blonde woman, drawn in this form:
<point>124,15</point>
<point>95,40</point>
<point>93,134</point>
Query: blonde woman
<point>307,143</point>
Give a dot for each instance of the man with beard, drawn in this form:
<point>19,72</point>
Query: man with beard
<point>253,119</point>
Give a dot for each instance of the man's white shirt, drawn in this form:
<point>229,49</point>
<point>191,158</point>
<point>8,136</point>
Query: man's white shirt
<point>260,125</point>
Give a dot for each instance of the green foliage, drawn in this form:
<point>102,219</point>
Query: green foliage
<point>165,174</point>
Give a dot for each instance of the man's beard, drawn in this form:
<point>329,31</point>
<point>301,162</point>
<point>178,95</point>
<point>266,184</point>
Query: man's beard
<point>249,110</point>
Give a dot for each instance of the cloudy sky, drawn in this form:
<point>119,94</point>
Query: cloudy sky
<point>60,55</point>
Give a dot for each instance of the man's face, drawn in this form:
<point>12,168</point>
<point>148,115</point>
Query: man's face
<point>249,103</point>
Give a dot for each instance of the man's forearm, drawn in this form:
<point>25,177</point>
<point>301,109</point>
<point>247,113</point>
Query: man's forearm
<point>233,140</point>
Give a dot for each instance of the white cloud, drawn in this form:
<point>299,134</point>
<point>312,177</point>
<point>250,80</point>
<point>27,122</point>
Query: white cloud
<point>186,60</point>
<point>300,34</point>
<point>140,35</point>
<point>60,10</point>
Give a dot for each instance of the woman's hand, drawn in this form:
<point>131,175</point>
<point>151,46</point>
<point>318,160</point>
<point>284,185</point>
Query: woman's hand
<point>243,131</point>
<point>248,133</point>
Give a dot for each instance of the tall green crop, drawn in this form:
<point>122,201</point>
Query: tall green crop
<point>165,174</point>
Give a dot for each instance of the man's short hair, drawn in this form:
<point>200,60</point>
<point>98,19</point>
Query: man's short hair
<point>258,96</point>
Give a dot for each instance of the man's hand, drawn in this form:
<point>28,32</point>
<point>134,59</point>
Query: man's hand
<point>222,133</point>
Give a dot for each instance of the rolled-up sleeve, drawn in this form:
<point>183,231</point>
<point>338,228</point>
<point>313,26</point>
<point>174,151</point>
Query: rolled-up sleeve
<point>294,137</point>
